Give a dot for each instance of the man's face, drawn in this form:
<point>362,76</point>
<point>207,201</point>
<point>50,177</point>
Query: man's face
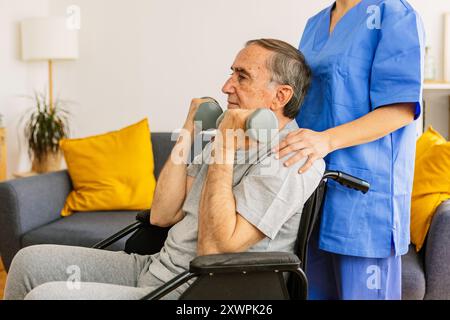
<point>249,85</point>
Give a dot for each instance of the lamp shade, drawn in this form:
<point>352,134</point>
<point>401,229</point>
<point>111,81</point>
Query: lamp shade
<point>48,39</point>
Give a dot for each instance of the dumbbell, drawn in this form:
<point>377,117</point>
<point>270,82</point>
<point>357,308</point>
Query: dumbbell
<point>207,114</point>
<point>260,125</point>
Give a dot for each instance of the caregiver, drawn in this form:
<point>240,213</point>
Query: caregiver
<point>367,58</point>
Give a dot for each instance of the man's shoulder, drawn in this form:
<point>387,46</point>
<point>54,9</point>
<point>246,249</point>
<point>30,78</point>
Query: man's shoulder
<point>276,168</point>
<point>290,126</point>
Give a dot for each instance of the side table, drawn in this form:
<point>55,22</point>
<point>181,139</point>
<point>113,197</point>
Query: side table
<point>24,174</point>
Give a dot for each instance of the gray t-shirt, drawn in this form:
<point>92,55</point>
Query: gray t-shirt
<point>268,195</point>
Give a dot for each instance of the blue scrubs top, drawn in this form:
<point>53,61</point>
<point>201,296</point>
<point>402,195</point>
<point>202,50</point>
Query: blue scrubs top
<point>373,58</point>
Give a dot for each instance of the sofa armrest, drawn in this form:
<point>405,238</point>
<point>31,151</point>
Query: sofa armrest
<point>413,275</point>
<point>437,255</point>
<point>28,203</point>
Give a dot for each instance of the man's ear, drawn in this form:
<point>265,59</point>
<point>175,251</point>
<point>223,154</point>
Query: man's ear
<point>283,95</point>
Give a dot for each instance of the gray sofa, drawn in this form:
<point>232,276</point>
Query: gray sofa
<point>30,211</point>
<point>426,275</point>
<point>29,214</point>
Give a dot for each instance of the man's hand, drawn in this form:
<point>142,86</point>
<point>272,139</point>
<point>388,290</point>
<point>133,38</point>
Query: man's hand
<point>231,131</point>
<point>235,119</point>
<point>195,104</point>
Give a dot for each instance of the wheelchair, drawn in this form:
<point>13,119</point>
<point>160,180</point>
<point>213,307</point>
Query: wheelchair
<point>238,276</point>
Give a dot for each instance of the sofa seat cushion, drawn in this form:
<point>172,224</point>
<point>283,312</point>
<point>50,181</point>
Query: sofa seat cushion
<point>82,229</point>
<point>413,276</point>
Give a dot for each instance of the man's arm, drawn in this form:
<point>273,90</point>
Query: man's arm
<point>171,190</point>
<point>222,229</point>
<point>173,183</point>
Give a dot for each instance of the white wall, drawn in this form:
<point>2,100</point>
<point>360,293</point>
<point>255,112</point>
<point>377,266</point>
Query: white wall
<point>16,77</point>
<point>437,102</point>
<point>148,58</point>
<point>432,13</point>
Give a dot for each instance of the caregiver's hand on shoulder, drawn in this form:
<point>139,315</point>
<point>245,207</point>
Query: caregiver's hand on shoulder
<point>304,143</point>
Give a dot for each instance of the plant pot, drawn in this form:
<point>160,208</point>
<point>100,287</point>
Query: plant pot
<point>50,162</point>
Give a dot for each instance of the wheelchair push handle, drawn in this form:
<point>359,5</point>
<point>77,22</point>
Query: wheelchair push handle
<point>348,181</point>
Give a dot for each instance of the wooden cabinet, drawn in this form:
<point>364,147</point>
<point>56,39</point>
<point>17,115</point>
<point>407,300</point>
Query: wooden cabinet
<point>2,154</point>
<point>28,174</point>
<point>436,107</point>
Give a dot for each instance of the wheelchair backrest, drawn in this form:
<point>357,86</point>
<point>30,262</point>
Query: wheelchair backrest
<point>310,216</point>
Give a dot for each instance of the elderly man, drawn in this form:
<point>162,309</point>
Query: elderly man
<point>213,206</point>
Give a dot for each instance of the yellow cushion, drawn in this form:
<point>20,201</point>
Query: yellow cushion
<point>112,171</point>
<point>431,182</point>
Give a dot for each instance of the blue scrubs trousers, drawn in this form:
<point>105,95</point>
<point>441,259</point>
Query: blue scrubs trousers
<point>334,276</point>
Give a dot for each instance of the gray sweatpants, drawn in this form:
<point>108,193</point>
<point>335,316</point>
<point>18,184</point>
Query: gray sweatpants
<point>64,273</point>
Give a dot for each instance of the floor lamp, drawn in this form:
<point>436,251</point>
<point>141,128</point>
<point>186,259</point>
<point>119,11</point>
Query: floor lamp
<point>48,39</point>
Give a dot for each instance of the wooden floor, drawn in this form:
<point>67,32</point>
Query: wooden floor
<point>2,279</point>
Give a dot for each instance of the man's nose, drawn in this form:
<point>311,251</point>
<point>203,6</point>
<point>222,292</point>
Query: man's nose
<point>228,87</point>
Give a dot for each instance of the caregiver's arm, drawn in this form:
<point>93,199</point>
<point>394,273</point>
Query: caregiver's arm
<point>316,145</point>
<point>173,182</point>
<point>220,228</point>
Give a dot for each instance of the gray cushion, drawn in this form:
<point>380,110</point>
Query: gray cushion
<point>413,276</point>
<point>82,229</point>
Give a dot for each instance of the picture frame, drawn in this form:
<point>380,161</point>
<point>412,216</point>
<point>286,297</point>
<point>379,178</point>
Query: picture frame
<point>447,47</point>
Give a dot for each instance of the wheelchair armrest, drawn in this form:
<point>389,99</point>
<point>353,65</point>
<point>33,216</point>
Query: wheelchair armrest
<point>144,217</point>
<point>234,263</point>
<point>245,262</point>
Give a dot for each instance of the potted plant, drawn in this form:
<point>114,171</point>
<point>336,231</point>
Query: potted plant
<point>45,126</point>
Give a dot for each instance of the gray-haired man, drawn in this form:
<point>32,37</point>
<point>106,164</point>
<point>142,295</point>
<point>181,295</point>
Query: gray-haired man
<point>214,207</point>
